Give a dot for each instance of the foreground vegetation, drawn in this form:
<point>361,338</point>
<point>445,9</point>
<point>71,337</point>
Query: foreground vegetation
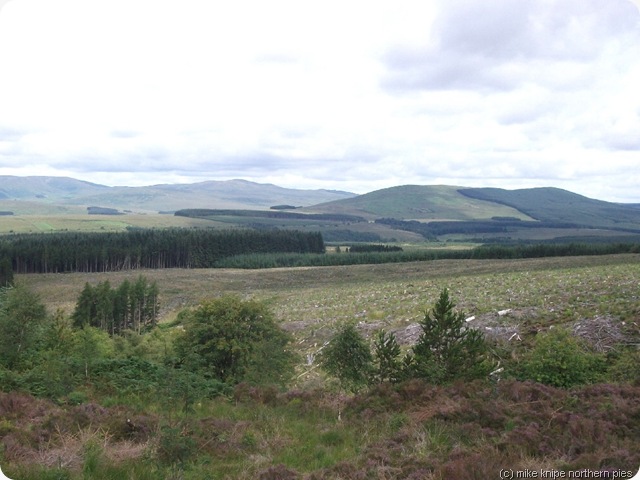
<point>142,408</point>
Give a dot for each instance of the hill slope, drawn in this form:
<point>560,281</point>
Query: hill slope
<point>557,205</point>
<point>420,202</point>
<point>45,188</point>
<point>211,194</point>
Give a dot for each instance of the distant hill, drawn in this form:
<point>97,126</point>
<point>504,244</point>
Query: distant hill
<point>556,205</point>
<point>420,202</point>
<point>236,194</point>
<point>46,188</point>
<point>492,214</point>
<point>403,213</point>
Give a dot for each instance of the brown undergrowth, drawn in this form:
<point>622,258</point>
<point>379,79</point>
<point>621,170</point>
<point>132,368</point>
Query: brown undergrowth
<point>411,430</point>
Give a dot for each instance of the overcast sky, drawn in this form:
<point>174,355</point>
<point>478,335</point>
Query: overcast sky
<point>349,95</point>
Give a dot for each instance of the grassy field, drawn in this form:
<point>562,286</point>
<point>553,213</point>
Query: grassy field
<point>311,301</point>
<point>94,223</point>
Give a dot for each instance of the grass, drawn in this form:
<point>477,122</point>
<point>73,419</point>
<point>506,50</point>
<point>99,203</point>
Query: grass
<point>311,301</point>
<point>314,432</point>
<point>420,203</point>
<point>93,223</point>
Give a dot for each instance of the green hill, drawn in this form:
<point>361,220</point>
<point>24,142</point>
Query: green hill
<point>560,206</point>
<point>420,202</point>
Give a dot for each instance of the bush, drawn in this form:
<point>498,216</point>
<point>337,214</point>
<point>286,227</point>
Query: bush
<point>232,340</point>
<point>386,354</point>
<point>560,360</point>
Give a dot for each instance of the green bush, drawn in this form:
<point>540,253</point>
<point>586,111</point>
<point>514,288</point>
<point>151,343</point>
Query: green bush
<point>386,355</point>
<point>232,340</point>
<point>561,360</point>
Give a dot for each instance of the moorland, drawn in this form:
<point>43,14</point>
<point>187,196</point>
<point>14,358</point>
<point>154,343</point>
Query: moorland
<point>558,390</point>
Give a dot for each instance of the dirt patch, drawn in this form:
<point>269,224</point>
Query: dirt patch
<point>602,332</point>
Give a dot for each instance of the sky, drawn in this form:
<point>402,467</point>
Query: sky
<point>354,96</point>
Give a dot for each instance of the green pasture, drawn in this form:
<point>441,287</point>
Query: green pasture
<point>94,223</point>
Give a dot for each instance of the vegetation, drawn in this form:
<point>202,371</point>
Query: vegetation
<point>485,252</point>
<point>447,350</point>
<point>556,205</point>
<point>135,249</point>
<point>207,213</point>
<point>131,306</point>
<point>233,341</point>
<point>348,358</point>
<point>367,248</point>
<point>6,272</point>
<point>162,403</point>
<point>561,360</point>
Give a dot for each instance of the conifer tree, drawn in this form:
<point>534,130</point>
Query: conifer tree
<point>348,358</point>
<point>447,349</point>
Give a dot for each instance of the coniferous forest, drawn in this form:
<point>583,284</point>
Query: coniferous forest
<point>136,249</point>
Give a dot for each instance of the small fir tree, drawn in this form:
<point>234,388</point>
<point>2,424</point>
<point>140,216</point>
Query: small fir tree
<point>348,358</point>
<point>446,349</point>
<point>386,353</point>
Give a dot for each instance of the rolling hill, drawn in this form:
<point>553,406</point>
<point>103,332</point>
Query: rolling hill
<point>440,202</point>
<point>420,202</point>
<point>408,213</point>
<point>557,205</point>
<point>40,193</point>
<point>491,214</point>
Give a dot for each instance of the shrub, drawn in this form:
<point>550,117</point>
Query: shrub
<point>560,360</point>
<point>626,368</point>
<point>232,340</point>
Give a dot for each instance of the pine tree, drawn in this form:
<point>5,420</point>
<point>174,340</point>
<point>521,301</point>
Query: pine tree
<point>446,349</point>
<point>386,353</point>
<point>348,358</point>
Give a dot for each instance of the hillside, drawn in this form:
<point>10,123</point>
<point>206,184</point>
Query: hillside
<point>420,202</point>
<point>557,205</point>
<point>46,188</point>
<point>491,214</point>
<point>42,192</point>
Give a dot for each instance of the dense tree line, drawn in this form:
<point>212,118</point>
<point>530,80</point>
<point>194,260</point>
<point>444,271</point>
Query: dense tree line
<point>431,230</point>
<point>130,306</point>
<point>6,272</point>
<point>367,248</point>
<point>135,249</point>
<point>495,252</point>
<point>331,217</point>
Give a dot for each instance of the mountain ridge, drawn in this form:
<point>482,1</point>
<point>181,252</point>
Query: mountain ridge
<point>421,203</point>
<point>160,197</point>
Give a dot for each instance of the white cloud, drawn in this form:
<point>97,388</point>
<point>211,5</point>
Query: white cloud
<point>348,95</point>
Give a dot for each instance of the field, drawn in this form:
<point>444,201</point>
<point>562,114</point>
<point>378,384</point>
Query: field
<point>313,430</point>
<point>93,223</point>
<point>310,301</point>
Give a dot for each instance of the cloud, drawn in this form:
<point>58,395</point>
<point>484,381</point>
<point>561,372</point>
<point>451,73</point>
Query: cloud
<point>500,45</point>
<point>353,96</point>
